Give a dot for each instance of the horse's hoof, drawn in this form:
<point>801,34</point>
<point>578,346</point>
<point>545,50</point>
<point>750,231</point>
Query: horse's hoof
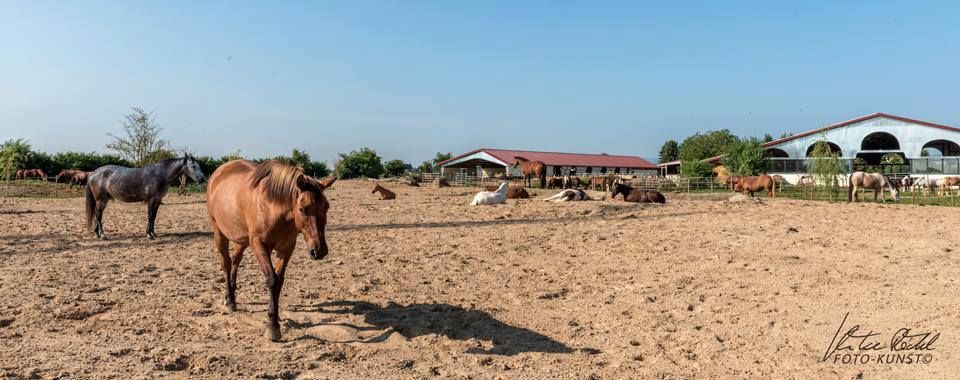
<point>273,333</point>
<point>230,307</point>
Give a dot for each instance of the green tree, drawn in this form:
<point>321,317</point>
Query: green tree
<point>767,137</point>
<point>359,163</point>
<point>892,158</point>
<point>431,166</point>
<point>700,146</point>
<point>745,158</point>
<point>396,168</point>
<point>670,151</point>
<point>141,142</point>
<point>14,155</point>
<point>825,167</point>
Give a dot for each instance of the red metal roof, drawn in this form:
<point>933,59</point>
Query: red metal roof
<point>857,120</point>
<point>563,159</point>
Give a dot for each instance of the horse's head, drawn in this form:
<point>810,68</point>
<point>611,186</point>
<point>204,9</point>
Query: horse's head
<point>192,169</point>
<point>376,187</point>
<point>619,188</point>
<point>310,215</point>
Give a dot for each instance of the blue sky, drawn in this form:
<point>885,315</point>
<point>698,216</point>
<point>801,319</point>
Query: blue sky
<point>410,78</point>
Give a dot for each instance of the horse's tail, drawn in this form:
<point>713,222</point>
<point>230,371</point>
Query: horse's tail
<point>91,207</point>
<point>850,189</point>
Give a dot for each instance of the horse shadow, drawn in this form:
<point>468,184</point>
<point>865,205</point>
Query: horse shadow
<point>448,320</point>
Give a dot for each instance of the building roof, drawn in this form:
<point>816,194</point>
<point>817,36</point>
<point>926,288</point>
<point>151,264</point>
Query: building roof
<point>857,120</point>
<point>563,159</point>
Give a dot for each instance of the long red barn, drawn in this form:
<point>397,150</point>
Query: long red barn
<point>498,161</point>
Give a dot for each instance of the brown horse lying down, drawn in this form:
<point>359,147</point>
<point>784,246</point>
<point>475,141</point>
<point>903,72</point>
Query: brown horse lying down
<point>513,192</point>
<point>636,195</point>
<point>753,184</point>
<point>384,193</point>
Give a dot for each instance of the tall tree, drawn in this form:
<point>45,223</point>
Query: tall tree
<point>825,166</point>
<point>745,158</point>
<point>14,154</point>
<point>359,163</point>
<point>141,142</point>
<point>700,146</point>
<point>670,151</point>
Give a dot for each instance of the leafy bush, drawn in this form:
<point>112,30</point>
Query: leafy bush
<point>396,168</point>
<point>359,163</point>
<point>745,158</point>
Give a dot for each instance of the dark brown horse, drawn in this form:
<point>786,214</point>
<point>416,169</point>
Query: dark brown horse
<point>513,192</point>
<point>531,169</point>
<point>72,176</point>
<point>384,193</point>
<point>265,207</point>
<point>636,195</point>
<point>754,184</point>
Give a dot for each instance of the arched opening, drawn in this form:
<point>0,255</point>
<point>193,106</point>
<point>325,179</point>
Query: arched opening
<point>776,153</point>
<point>834,148</point>
<point>938,148</point>
<point>880,141</point>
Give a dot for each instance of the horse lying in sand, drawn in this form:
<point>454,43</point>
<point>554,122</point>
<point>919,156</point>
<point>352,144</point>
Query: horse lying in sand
<point>513,192</point>
<point>873,181</point>
<point>384,193</point>
<point>636,195</point>
<point>569,195</point>
<point>491,197</point>
<point>754,184</point>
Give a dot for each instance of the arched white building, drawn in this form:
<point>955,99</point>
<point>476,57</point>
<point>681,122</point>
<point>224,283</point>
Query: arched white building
<point>869,142</point>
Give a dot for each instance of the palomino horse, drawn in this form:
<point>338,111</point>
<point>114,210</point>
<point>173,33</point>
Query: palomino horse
<point>946,184</point>
<point>491,197</point>
<point>872,181</point>
<point>532,169</point>
<point>569,195</point>
<point>384,193</point>
<point>513,192</point>
<point>754,184</point>
<point>147,184</point>
<point>636,195</point>
<point>265,207</point>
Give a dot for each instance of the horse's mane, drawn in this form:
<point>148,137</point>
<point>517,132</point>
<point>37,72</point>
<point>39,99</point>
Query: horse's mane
<point>281,181</point>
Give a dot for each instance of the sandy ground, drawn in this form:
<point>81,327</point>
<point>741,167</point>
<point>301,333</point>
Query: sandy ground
<point>426,286</point>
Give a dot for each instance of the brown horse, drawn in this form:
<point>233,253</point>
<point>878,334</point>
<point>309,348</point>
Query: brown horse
<point>72,176</point>
<point>265,207</point>
<point>946,184</point>
<point>513,192</point>
<point>531,169</point>
<point>753,184</point>
<point>31,173</point>
<point>602,183</point>
<point>636,195</point>
<point>873,181</point>
<point>384,193</point>
<point>554,183</point>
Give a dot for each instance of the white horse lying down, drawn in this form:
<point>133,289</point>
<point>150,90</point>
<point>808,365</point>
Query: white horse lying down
<point>569,195</point>
<point>491,197</point>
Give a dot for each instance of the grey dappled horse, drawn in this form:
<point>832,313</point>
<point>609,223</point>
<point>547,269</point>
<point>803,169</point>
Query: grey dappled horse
<point>147,184</point>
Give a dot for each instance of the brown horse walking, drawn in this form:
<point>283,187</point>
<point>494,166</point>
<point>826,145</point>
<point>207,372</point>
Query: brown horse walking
<point>754,184</point>
<point>384,193</point>
<point>532,169</point>
<point>265,207</point>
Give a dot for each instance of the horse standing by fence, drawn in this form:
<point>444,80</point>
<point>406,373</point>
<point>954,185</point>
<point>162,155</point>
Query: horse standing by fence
<point>147,184</point>
<point>265,207</point>
<point>31,173</point>
<point>531,169</point>
<point>754,184</point>
<point>873,181</point>
<point>946,184</point>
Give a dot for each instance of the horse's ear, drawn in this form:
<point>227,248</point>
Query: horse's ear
<point>326,183</point>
